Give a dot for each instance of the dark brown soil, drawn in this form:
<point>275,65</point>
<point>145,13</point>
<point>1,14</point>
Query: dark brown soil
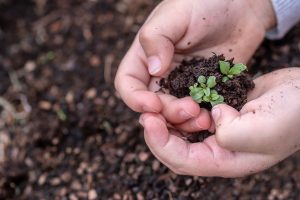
<point>185,75</point>
<point>73,138</point>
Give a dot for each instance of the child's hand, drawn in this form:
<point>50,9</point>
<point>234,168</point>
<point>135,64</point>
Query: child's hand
<point>178,29</point>
<point>263,133</point>
<point>269,123</point>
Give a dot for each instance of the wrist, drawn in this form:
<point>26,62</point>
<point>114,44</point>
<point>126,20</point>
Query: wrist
<point>264,11</point>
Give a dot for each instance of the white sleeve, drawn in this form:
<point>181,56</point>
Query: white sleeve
<point>287,14</point>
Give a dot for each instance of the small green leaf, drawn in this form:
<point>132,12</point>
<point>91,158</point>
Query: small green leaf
<point>224,67</point>
<point>206,99</point>
<point>206,91</point>
<point>197,94</point>
<point>213,92</point>
<point>230,76</point>
<point>193,86</point>
<point>201,79</point>
<point>198,100</point>
<point>61,115</point>
<point>214,97</point>
<point>237,69</point>
<point>224,79</point>
<point>194,91</point>
<point>211,82</point>
<point>203,85</point>
<point>218,101</point>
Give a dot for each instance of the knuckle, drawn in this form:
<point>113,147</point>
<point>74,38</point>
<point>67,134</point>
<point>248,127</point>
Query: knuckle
<point>222,139</point>
<point>145,35</point>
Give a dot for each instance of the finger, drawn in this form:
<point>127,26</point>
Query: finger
<point>131,82</point>
<point>200,159</point>
<point>158,36</point>
<point>178,110</point>
<point>267,81</point>
<point>243,131</point>
<point>256,125</point>
<point>199,123</point>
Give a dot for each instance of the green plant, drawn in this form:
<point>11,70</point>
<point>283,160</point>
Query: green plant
<point>230,72</point>
<point>203,91</point>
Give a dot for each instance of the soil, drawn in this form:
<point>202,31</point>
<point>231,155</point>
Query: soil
<point>69,136</point>
<point>185,75</point>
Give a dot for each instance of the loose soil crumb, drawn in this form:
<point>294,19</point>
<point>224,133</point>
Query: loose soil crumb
<point>234,90</point>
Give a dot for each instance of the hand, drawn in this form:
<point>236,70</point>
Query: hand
<point>179,29</point>
<point>263,133</point>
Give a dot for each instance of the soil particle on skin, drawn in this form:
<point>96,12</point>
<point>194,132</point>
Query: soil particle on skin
<point>234,90</point>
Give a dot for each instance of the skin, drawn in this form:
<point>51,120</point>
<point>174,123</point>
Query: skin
<point>246,142</point>
<point>178,29</point>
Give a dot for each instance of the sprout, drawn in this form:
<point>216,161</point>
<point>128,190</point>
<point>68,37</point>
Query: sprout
<point>203,91</point>
<point>231,72</point>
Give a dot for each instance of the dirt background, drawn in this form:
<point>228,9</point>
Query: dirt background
<point>65,134</point>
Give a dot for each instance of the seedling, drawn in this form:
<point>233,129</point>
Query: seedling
<point>230,72</point>
<point>203,91</point>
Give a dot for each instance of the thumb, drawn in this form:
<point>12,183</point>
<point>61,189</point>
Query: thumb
<point>239,132</point>
<point>159,35</point>
<point>159,51</point>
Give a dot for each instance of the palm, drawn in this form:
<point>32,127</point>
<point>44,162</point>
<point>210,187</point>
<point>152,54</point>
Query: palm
<point>201,159</point>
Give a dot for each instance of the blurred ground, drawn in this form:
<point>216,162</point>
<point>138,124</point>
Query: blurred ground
<point>64,133</point>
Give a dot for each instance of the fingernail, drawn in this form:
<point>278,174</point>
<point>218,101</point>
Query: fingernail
<point>197,125</point>
<point>185,115</point>
<point>216,113</point>
<point>154,65</point>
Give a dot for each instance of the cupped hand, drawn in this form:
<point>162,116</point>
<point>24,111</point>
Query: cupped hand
<point>263,133</point>
<point>178,29</point>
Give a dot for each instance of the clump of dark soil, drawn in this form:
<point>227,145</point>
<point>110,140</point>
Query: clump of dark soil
<point>234,90</point>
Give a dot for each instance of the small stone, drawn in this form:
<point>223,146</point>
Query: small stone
<point>66,177</point>
<point>89,179</point>
<point>30,66</point>
<point>117,196</point>
<point>42,179</point>
<point>188,181</point>
<point>45,105</point>
<point>70,97</point>
<point>63,191</point>
<point>82,195</point>
<point>92,194</point>
<point>55,181</point>
<point>91,93</point>
<point>140,196</point>
<point>94,61</point>
<point>155,165</point>
<point>76,150</point>
<point>143,156</point>
<point>99,101</point>
<point>111,102</point>
<point>73,197</point>
<point>55,141</point>
<point>105,94</point>
<point>68,150</point>
<point>76,185</point>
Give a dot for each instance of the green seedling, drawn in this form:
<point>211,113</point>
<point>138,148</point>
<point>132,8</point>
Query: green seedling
<point>230,72</point>
<point>203,91</point>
